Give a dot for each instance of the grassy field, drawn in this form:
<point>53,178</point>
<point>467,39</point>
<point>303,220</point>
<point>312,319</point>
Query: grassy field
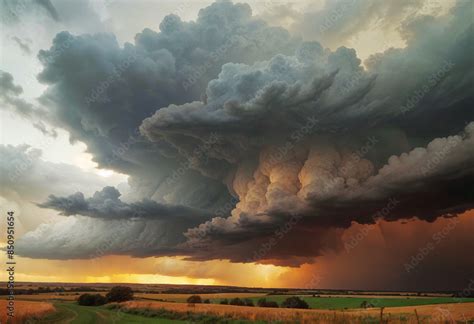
<point>323,302</point>
<point>355,302</point>
<point>75,314</point>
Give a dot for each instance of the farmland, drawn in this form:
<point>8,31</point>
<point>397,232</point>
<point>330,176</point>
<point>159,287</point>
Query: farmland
<point>26,310</point>
<point>162,304</point>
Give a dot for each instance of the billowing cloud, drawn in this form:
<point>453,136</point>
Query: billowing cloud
<point>285,142</point>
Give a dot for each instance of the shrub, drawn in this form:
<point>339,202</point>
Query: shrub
<point>262,302</point>
<point>236,302</point>
<point>119,294</point>
<point>294,302</point>
<point>224,302</point>
<point>91,300</point>
<point>206,301</point>
<point>366,304</point>
<point>248,302</point>
<point>194,299</point>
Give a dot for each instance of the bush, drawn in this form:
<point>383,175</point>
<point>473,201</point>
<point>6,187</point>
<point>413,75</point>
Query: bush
<point>236,302</point>
<point>119,294</point>
<point>194,299</point>
<point>366,304</point>
<point>262,302</point>
<point>294,302</point>
<point>224,302</point>
<point>248,302</point>
<point>91,300</point>
<point>206,301</point>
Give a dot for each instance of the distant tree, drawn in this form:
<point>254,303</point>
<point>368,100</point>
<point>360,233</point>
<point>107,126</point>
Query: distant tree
<point>119,294</point>
<point>194,299</point>
<point>236,302</point>
<point>91,300</point>
<point>294,302</point>
<point>248,302</point>
<point>262,302</point>
<point>206,301</point>
<point>366,304</point>
<point>224,302</point>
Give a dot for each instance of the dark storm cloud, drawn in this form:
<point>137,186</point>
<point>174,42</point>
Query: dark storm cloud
<point>320,177</point>
<point>289,129</point>
<point>101,92</point>
<point>106,204</point>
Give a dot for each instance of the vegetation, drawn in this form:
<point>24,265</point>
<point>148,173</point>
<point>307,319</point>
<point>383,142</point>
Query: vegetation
<point>194,299</point>
<point>262,302</point>
<point>294,302</point>
<point>236,302</point>
<point>91,300</point>
<point>119,294</point>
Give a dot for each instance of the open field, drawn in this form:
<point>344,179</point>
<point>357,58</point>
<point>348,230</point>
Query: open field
<point>319,302</point>
<point>25,310</point>
<point>334,303</point>
<point>426,314</point>
<point>75,314</point>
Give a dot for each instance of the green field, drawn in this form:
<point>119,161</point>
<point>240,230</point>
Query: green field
<point>355,302</point>
<point>75,314</point>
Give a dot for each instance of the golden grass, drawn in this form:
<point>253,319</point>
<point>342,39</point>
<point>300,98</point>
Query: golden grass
<point>25,310</point>
<point>426,314</point>
<point>438,313</point>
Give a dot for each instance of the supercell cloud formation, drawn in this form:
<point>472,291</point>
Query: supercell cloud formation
<point>230,129</point>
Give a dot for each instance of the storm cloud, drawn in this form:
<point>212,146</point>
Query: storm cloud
<point>235,134</point>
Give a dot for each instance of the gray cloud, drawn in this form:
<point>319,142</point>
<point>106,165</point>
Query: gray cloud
<point>10,99</point>
<point>106,204</point>
<point>299,130</point>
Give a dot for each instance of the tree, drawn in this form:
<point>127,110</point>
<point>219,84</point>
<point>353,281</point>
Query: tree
<point>236,302</point>
<point>207,301</point>
<point>262,302</point>
<point>224,301</point>
<point>194,299</point>
<point>248,302</point>
<point>294,302</point>
<point>119,294</point>
<point>91,300</point>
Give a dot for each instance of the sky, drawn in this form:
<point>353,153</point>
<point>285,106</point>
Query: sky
<point>259,143</point>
